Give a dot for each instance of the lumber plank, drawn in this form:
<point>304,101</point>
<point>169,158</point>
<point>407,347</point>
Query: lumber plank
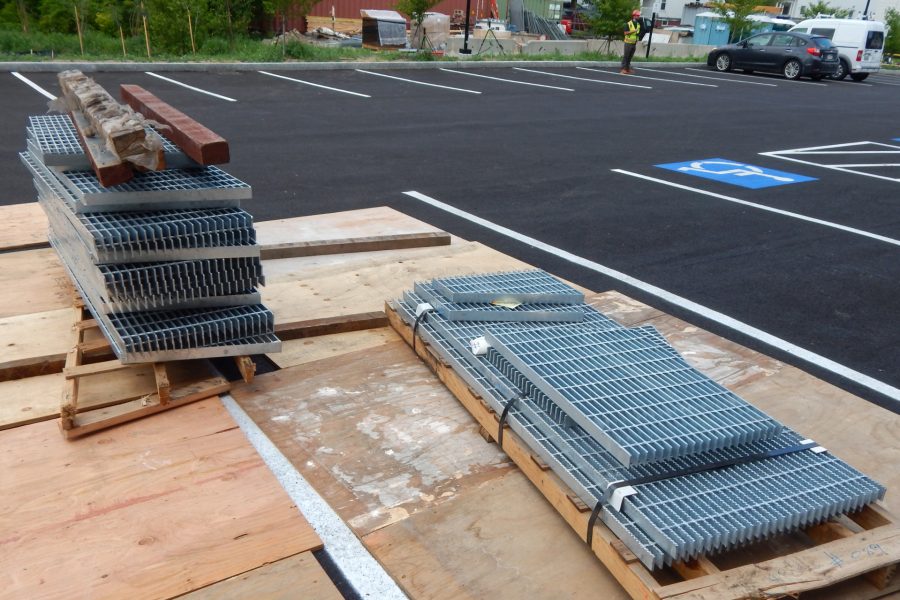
<point>33,281</point>
<point>365,230</point>
<point>294,330</point>
<point>34,344</point>
<point>302,351</point>
<point>23,227</point>
<point>197,141</point>
<point>79,370</point>
<point>289,578</point>
<point>154,509</point>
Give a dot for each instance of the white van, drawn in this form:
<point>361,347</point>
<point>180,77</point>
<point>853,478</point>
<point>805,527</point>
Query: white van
<point>859,43</point>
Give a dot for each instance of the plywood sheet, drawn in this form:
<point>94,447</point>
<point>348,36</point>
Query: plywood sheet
<point>33,281</point>
<point>319,287</point>
<point>22,226</point>
<point>42,336</point>
<point>857,431</point>
<point>374,432</point>
<point>501,539</point>
<point>298,576</point>
<point>331,228</point>
<point>152,509</point>
<point>302,351</point>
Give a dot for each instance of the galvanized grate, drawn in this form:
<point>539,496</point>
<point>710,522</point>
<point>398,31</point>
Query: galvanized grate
<point>470,311</point>
<point>529,287</point>
<point>642,407</point>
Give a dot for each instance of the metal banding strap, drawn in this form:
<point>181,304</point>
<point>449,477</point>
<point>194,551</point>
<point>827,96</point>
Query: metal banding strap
<point>503,417</point>
<point>618,490</point>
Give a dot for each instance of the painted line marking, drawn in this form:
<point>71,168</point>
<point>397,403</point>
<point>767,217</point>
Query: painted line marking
<point>190,87</point>
<point>777,211</point>
<point>735,173</point>
<point>843,168</point>
<point>644,87</point>
<point>324,87</point>
<point>445,87</point>
<point>709,77</point>
<point>32,85</point>
<point>552,87</point>
<point>356,563</point>
<point>645,77</point>
<point>723,76</point>
<point>698,309</point>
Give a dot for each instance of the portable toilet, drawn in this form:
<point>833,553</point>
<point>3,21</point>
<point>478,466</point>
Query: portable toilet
<point>710,29</point>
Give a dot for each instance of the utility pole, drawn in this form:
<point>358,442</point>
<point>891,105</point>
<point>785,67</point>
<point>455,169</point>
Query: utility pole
<point>465,49</point>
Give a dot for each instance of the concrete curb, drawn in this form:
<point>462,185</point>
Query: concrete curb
<point>88,67</point>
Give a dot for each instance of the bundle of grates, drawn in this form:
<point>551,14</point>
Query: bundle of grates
<point>671,509</point>
<point>53,140</point>
<point>167,263</point>
<point>522,287</point>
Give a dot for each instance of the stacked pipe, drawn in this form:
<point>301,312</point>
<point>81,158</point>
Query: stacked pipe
<point>675,464</point>
<point>150,231</point>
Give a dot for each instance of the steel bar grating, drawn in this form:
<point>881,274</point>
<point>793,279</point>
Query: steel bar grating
<point>473,311</point>
<point>819,489</point>
<point>641,407</point>
<point>524,287</point>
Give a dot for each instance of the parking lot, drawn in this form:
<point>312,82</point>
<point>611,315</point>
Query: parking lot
<point>763,209</point>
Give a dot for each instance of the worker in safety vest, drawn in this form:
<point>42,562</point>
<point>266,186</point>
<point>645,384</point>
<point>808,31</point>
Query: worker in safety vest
<point>632,35</point>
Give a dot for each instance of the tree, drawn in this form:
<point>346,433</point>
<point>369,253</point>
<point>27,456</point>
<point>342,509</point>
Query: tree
<point>607,20</point>
<point>415,10</point>
<point>892,23</point>
<point>821,7</point>
<point>734,13</point>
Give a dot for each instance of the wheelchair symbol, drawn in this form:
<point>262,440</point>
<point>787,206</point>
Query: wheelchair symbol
<point>741,170</point>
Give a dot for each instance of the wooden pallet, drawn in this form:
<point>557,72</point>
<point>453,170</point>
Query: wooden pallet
<point>860,553</point>
<point>176,383</point>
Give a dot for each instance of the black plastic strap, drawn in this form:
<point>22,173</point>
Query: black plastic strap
<point>503,416</point>
<point>421,317</point>
<point>593,521</point>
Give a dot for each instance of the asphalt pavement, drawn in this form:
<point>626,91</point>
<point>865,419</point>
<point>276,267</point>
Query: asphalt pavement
<point>568,157</point>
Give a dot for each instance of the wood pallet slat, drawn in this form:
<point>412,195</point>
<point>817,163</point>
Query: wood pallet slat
<point>838,553</point>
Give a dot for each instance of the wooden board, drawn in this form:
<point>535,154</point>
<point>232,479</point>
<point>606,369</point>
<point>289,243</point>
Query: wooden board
<point>365,230</point>
<point>302,351</point>
<point>35,344</point>
<point>298,576</point>
<point>372,432</point>
<point>155,508</point>
<point>22,227</point>
<point>33,281</point>
<point>331,286</point>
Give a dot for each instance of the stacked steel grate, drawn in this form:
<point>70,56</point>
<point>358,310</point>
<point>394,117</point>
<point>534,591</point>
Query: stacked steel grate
<point>673,463</point>
<point>166,262</point>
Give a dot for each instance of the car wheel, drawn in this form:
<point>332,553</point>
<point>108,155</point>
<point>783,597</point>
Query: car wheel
<point>842,70</point>
<point>723,62</point>
<point>858,76</point>
<point>792,69</point>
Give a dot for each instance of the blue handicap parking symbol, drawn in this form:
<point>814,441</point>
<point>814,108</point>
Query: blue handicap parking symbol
<point>736,173</point>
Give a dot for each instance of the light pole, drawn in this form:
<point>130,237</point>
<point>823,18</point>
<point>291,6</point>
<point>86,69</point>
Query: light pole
<point>465,49</point>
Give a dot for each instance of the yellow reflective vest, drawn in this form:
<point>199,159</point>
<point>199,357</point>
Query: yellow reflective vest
<point>631,34</point>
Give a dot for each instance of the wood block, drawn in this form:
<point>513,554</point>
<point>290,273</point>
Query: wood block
<point>156,508</point>
<point>198,142</point>
<point>365,230</point>
<point>23,227</point>
<point>106,165</point>
<point>373,432</point>
<point>294,330</point>
<point>298,576</point>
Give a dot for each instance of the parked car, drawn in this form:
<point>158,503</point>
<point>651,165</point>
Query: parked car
<point>794,55</point>
<point>859,43</point>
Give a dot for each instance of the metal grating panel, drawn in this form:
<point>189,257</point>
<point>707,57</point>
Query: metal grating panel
<point>470,311</point>
<point>642,407</point>
<point>513,286</point>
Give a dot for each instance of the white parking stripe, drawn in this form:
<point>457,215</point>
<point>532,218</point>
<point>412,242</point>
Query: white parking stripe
<point>324,87</point>
<point>445,87</point>
<point>722,319</point>
<point>645,77</point>
<point>725,78</point>
<point>552,87</point>
<point>190,87</point>
<point>708,77</point>
<point>645,87</point>
<point>33,85</point>
<point>778,211</point>
<point>844,168</point>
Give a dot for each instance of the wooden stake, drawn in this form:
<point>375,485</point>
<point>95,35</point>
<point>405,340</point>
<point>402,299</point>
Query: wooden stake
<point>146,33</point>
<point>191,31</point>
<point>122,38</point>
<point>78,28</point>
